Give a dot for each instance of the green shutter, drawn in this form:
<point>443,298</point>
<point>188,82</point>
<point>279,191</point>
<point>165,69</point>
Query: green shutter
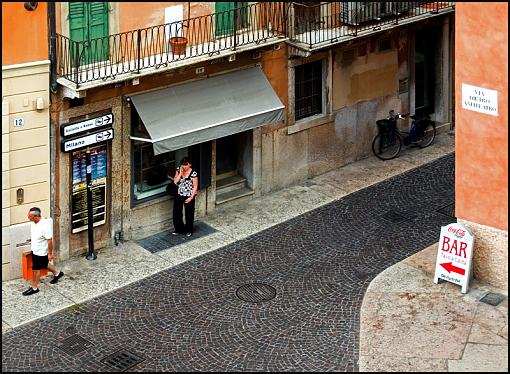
<point>224,21</point>
<point>88,22</point>
<point>78,22</point>
<point>98,30</point>
<point>78,31</point>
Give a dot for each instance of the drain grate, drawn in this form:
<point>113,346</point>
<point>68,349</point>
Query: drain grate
<point>256,292</point>
<point>309,183</point>
<point>122,360</point>
<point>448,210</point>
<point>75,344</point>
<point>393,217</point>
<point>492,298</point>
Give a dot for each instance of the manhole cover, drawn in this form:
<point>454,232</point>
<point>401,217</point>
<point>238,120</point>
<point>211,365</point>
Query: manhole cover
<point>393,217</point>
<point>75,344</point>
<point>448,210</point>
<point>256,292</point>
<point>492,298</point>
<point>122,360</point>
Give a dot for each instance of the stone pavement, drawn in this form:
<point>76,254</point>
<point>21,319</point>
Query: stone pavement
<point>447,336</point>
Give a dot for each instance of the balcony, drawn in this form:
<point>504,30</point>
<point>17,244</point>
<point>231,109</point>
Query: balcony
<point>307,27</point>
<point>313,26</point>
<point>128,55</point>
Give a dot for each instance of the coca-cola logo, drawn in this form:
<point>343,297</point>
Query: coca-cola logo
<point>459,233</point>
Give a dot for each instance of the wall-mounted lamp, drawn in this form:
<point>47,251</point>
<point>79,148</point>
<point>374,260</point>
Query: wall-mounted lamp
<point>30,5</point>
<point>20,195</point>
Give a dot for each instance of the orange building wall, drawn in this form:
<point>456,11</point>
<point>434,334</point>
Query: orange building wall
<point>481,165</point>
<point>24,33</point>
<point>136,15</point>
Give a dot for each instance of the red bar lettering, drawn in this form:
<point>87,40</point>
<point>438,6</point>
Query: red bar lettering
<point>446,240</point>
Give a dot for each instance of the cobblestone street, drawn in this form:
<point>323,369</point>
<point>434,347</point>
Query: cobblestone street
<point>189,317</point>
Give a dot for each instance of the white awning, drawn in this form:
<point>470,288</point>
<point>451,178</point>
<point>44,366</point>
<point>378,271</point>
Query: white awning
<point>207,109</point>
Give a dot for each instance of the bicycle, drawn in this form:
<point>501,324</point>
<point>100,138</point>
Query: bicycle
<point>388,142</point>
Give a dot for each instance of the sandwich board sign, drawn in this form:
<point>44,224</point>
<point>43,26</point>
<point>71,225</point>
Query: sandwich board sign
<point>454,255</point>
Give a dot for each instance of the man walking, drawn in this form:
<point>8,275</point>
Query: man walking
<point>41,234</point>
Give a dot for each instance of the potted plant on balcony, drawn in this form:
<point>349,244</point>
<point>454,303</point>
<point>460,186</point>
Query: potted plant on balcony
<point>178,45</point>
<point>177,39</point>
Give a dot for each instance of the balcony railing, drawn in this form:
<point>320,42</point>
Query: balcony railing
<point>307,26</point>
<point>153,47</point>
<point>315,25</point>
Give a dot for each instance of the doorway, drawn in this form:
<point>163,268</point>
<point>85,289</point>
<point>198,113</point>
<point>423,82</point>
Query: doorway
<point>227,151</point>
<point>426,46</point>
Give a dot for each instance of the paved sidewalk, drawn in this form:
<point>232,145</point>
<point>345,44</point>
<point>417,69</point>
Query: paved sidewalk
<point>404,290</point>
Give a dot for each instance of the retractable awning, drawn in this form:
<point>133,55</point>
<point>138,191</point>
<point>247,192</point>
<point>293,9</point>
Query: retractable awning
<point>207,109</point>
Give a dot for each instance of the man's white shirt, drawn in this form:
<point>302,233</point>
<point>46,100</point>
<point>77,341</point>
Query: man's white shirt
<point>40,233</point>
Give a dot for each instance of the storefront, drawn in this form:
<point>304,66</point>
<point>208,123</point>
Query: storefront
<point>215,121</point>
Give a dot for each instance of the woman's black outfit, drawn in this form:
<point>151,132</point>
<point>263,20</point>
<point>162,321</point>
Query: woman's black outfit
<point>184,191</point>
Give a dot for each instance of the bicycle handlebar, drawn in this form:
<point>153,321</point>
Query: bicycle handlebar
<point>398,115</point>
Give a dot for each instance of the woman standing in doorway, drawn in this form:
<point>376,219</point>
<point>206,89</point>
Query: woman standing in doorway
<point>186,180</point>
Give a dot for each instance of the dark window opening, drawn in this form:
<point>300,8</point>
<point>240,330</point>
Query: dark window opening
<point>425,71</point>
<point>150,173</point>
<point>308,89</point>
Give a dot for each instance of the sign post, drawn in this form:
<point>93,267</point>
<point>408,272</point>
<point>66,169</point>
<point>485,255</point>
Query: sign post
<point>90,219</point>
<point>77,143</point>
<point>454,255</point>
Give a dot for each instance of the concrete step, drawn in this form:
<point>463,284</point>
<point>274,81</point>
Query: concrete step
<point>226,175</point>
<point>235,182</point>
<point>241,193</point>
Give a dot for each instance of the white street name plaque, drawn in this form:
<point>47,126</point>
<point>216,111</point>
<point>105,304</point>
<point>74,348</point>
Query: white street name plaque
<point>480,99</point>
<point>84,141</point>
<point>454,255</point>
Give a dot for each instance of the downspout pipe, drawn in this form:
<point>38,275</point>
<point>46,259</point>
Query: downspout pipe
<point>52,47</point>
<point>53,90</point>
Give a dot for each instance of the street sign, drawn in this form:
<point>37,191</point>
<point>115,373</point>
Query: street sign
<point>454,255</point>
<point>87,140</point>
<point>89,124</point>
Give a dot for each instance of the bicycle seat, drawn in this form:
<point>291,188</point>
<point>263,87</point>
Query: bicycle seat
<point>383,122</point>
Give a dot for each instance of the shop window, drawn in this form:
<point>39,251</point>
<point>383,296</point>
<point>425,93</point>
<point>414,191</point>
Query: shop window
<point>308,90</point>
<point>151,173</point>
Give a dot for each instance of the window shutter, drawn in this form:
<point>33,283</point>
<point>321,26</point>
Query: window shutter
<point>77,22</point>
<point>224,21</point>
<point>98,19</point>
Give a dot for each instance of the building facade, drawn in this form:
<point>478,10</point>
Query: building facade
<point>260,95</point>
<point>481,149</point>
<point>26,133</point>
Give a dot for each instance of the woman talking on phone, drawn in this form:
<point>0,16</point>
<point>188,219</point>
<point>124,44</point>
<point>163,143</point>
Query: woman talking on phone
<point>186,180</point>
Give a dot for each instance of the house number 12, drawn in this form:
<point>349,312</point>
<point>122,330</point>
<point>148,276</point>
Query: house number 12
<point>18,122</point>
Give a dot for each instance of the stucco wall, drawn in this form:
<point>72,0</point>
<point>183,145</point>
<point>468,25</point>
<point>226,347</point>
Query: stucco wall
<point>366,77</point>
<point>24,33</point>
<point>25,152</point>
<point>481,139</point>
<point>481,158</point>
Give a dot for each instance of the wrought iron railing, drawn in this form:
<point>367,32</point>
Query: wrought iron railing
<point>152,47</point>
<point>307,24</point>
<point>311,24</point>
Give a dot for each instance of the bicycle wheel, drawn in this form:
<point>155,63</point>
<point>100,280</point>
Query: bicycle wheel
<point>428,135</point>
<point>386,147</point>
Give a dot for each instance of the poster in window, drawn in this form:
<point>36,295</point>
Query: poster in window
<point>79,214</point>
